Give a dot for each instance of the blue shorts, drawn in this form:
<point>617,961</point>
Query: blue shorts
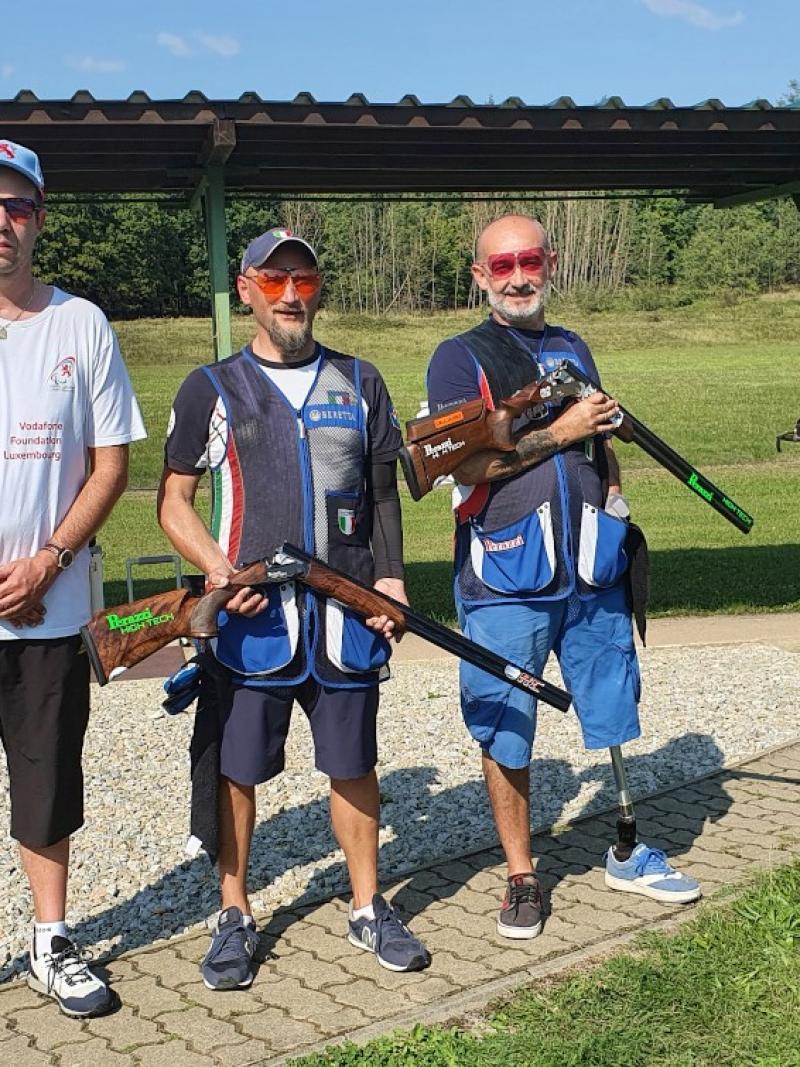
<point>593,641</point>
<point>254,724</point>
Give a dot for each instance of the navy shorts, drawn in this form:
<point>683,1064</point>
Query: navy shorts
<point>44,712</point>
<point>254,723</point>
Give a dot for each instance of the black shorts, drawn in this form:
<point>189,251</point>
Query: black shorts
<point>44,711</point>
<point>254,724</point>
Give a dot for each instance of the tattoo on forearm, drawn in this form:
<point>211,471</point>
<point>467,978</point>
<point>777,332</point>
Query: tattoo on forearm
<point>532,448</point>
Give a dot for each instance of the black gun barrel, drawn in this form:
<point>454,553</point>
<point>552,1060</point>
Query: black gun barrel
<point>689,475</point>
<point>449,640</point>
<point>636,432</point>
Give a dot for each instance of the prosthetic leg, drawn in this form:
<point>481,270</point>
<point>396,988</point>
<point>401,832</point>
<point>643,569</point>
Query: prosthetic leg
<point>626,819</point>
<point>633,867</point>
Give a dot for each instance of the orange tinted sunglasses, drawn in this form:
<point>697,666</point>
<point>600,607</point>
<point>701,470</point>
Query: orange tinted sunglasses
<point>272,281</point>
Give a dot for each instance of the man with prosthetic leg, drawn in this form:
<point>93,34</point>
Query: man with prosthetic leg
<point>540,562</point>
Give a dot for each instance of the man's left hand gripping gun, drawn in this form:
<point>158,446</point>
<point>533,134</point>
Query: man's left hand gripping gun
<point>437,444</point>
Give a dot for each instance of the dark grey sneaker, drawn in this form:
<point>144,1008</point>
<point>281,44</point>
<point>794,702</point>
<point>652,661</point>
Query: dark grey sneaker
<point>521,911</point>
<point>394,945</point>
<point>228,964</point>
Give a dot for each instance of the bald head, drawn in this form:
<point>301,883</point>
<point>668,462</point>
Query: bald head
<point>510,233</point>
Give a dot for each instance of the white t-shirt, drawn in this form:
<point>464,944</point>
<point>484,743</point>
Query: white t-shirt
<point>293,382</point>
<point>63,389</point>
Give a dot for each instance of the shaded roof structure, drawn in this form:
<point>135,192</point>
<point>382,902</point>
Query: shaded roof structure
<point>706,152</point>
<point>196,150</point>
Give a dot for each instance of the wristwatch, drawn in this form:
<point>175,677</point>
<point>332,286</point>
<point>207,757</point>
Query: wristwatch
<point>65,557</point>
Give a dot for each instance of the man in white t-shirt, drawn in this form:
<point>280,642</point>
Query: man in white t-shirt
<point>67,414</point>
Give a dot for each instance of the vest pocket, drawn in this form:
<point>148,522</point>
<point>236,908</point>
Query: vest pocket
<point>265,643</point>
<point>601,554</point>
<point>350,645</point>
<point>520,558</point>
<point>346,515</point>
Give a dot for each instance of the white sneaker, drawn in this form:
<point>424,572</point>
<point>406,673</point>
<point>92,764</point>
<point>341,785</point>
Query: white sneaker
<point>62,974</point>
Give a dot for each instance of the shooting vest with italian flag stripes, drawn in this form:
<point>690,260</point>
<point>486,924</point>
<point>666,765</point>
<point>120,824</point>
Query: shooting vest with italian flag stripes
<point>541,534</point>
<point>296,476</point>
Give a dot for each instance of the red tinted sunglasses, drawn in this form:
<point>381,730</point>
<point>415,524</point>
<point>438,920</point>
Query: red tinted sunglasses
<point>272,281</point>
<point>19,208</point>
<point>503,264</point>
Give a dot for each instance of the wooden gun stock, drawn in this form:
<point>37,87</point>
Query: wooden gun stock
<point>437,444</point>
<point>121,637</point>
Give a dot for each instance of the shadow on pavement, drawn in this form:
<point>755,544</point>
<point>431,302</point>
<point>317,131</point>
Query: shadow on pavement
<point>187,894</point>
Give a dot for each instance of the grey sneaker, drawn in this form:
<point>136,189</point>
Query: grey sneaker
<point>228,964</point>
<point>394,945</point>
<point>521,911</point>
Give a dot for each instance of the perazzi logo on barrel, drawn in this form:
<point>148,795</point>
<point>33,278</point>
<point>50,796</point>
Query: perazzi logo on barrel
<point>142,620</point>
<point>693,483</point>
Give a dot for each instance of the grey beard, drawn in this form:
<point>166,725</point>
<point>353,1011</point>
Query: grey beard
<point>289,342</point>
<point>519,313</point>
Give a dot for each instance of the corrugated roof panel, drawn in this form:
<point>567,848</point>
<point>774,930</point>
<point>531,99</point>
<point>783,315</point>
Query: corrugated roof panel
<point>140,144</point>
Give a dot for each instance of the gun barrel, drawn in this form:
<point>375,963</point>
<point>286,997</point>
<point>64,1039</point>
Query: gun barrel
<point>631,430</point>
<point>683,470</point>
<point>441,636</point>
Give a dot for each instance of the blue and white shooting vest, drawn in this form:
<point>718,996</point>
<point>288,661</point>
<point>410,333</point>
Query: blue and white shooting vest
<point>541,534</point>
<point>296,476</point>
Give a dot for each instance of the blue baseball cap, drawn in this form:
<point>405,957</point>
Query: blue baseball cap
<point>258,251</point>
<point>22,160</point>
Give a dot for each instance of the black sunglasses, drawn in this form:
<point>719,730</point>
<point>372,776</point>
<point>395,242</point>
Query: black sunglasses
<point>20,208</point>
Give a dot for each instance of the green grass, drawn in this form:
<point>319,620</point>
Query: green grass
<point>717,382</point>
<point>700,563</point>
<point>724,992</point>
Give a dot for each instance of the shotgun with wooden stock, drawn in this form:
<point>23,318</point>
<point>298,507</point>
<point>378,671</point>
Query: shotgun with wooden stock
<point>121,637</point>
<point>438,444</point>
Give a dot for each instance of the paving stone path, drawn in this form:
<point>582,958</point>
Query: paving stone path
<point>313,988</point>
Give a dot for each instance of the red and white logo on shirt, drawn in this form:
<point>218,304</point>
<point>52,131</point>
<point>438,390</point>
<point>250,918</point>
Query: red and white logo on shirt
<point>63,377</point>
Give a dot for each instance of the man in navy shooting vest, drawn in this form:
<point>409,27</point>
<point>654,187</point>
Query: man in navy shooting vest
<point>301,445</point>
<point>540,561</point>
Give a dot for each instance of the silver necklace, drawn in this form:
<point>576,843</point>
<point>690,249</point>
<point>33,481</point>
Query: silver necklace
<point>19,314</point>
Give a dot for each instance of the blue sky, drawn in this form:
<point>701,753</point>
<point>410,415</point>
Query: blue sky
<point>736,50</point>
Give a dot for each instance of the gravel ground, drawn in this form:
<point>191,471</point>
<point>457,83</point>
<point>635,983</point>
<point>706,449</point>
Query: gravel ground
<point>131,883</point>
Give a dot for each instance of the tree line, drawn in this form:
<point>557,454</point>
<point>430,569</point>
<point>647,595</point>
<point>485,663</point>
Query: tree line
<point>139,258</point>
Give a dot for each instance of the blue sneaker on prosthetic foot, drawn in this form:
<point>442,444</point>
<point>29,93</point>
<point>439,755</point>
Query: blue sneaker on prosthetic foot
<point>647,872</point>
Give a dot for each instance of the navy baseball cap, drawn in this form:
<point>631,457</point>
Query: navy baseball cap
<point>258,251</point>
<point>23,160</point>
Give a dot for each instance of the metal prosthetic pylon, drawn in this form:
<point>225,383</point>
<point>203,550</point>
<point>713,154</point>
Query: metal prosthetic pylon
<point>626,819</point>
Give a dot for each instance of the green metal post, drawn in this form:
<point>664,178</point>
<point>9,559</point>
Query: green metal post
<point>213,198</point>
